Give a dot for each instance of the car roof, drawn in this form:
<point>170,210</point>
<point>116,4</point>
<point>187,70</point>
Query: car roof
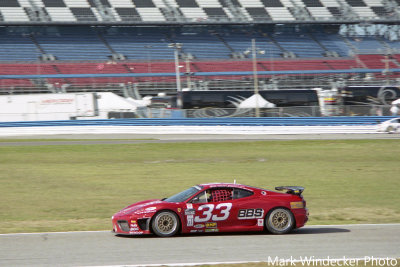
<point>233,185</point>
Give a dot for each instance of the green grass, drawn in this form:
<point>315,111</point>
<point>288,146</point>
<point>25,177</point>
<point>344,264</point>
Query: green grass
<point>79,187</point>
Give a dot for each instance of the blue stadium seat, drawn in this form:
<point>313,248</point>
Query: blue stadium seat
<point>15,46</point>
<point>139,44</point>
<point>73,43</point>
<point>301,44</point>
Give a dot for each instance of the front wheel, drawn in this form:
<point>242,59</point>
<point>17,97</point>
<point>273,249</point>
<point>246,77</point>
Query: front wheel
<point>391,129</point>
<point>165,223</point>
<point>279,221</point>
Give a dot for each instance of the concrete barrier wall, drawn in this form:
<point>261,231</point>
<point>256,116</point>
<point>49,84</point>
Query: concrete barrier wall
<point>265,121</point>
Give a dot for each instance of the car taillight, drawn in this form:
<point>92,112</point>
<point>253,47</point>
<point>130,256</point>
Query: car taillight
<point>297,205</point>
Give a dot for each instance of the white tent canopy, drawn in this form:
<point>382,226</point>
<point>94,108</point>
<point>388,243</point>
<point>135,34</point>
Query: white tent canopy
<point>255,101</point>
<point>396,102</point>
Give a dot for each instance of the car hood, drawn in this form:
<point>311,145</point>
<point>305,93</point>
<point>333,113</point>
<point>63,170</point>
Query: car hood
<point>146,206</point>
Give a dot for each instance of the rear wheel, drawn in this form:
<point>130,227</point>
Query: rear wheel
<point>279,221</point>
<point>165,223</point>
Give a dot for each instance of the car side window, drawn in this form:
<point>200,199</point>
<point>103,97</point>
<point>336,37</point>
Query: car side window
<point>220,194</point>
<point>200,198</point>
<point>241,193</point>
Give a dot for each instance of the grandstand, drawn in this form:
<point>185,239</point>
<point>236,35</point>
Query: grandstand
<point>123,45</point>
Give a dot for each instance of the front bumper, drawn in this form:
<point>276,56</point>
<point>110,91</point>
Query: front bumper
<point>127,225</point>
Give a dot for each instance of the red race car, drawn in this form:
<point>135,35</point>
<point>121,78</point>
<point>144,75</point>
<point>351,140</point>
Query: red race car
<point>215,208</point>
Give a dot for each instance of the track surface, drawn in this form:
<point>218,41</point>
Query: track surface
<point>103,248</point>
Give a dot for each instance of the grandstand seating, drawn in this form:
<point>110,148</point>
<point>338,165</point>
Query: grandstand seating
<point>15,46</point>
<point>92,50</point>
<point>199,43</point>
<point>59,44</point>
<point>377,61</point>
<point>300,44</point>
<point>370,61</point>
<point>332,42</point>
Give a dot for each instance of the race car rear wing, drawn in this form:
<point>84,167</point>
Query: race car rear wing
<point>294,190</point>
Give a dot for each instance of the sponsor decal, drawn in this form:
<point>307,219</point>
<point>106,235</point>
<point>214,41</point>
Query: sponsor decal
<point>56,101</point>
<point>190,211</point>
<point>189,205</point>
<point>133,221</point>
<point>211,225</point>
<point>134,229</point>
<point>190,220</point>
<point>296,205</point>
<point>134,225</point>
<point>260,222</point>
<point>250,214</point>
<point>136,232</point>
<point>263,193</point>
<point>212,230</point>
<point>199,226</point>
<point>179,209</point>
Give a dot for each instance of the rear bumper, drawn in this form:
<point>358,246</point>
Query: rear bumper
<point>301,217</point>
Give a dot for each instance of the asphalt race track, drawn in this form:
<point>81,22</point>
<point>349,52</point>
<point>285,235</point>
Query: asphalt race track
<point>105,249</point>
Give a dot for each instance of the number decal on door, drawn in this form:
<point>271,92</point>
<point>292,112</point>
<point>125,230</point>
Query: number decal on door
<point>207,212</point>
<point>223,208</point>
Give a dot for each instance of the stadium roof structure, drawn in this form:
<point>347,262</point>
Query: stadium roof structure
<point>154,12</point>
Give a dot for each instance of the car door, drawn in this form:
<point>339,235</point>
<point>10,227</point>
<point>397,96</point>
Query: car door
<point>211,210</point>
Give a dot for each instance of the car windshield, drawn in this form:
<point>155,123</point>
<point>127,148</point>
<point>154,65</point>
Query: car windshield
<point>182,196</point>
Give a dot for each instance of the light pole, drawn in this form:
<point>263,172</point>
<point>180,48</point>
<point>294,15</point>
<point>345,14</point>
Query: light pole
<point>177,47</point>
<point>188,81</point>
<point>254,52</point>
<point>148,47</point>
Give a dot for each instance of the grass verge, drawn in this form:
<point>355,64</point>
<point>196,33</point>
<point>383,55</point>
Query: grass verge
<point>79,187</point>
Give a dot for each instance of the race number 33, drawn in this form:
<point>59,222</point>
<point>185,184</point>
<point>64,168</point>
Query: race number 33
<point>223,210</point>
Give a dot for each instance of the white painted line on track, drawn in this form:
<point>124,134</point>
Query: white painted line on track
<point>104,231</point>
<point>177,264</point>
<point>356,224</point>
<point>306,261</point>
<point>55,233</point>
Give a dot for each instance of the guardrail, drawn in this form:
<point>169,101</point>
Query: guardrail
<point>269,121</point>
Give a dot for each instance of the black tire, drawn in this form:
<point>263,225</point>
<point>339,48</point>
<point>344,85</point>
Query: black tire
<point>165,223</point>
<point>279,221</point>
<point>390,129</point>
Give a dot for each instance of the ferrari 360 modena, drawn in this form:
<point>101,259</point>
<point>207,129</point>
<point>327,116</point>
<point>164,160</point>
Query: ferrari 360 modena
<point>218,207</point>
